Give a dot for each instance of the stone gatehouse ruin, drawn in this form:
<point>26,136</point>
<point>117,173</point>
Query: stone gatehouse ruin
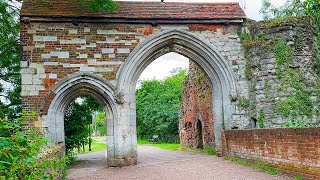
<point>70,51</point>
<point>279,68</point>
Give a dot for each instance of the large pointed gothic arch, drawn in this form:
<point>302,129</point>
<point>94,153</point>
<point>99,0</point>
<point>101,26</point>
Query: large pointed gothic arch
<point>193,47</point>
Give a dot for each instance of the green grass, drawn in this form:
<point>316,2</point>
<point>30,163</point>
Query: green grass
<point>260,166</point>
<point>95,146</point>
<point>209,151</point>
<point>206,150</point>
<point>168,146</point>
<point>143,142</point>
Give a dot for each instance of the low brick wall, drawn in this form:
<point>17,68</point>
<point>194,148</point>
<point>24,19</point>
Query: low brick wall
<point>295,151</point>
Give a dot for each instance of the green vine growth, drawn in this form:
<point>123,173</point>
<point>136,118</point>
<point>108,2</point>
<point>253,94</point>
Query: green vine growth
<point>261,119</point>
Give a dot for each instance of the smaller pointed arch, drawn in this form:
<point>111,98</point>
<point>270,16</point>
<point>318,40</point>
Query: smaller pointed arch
<point>67,90</point>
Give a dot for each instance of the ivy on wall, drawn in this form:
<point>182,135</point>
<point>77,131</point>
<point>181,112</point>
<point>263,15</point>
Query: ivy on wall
<point>296,101</point>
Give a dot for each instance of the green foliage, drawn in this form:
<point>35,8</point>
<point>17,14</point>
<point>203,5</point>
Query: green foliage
<point>158,105</point>
<point>293,8</point>
<point>239,161</point>
<point>101,5</point>
<point>299,123</point>
<point>243,103</point>
<point>208,150</point>
<point>300,103</point>
<point>20,150</point>
<point>95,147</point>
<point>101,123</point>
<point>283,53</point>
<point>261,166</point>
<point>168,146</point>
<point>297,105</point>
<point>162,145</point>
<point>78,118</point>
<point>261,118</point>
<point>244,36</point>
<point>10,85</point>
<point>267,169</point>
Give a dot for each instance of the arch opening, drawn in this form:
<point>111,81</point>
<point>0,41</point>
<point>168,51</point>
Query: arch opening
<point>199,131</point>
<point>65,92</point>
<point>194,48</point>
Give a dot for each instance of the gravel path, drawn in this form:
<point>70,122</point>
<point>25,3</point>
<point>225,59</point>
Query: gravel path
<point>159,164</point>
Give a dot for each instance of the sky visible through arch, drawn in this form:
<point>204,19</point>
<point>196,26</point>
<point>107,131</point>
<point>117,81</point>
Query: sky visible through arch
<point>161,67</point>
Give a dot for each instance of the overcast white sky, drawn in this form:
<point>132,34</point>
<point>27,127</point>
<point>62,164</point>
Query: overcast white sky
<point>160,68</point>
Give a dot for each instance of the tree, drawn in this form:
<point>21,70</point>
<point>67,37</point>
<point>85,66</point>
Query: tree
<point>10,86</point>
<point>158,105</point>
<point>78,118</point>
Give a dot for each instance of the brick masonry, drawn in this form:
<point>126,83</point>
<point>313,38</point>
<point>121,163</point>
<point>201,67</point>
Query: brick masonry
<point>53,51</point>
<point>261,89</point>
<point>196,106</point>
<point>87,56</point>
<point>295,151</point>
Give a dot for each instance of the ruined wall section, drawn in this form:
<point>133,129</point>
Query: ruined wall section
<point>277,81</point>
<point>196,105</point>
<point>282,57</point>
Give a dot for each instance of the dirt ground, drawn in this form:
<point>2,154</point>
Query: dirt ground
<point>159,164</point>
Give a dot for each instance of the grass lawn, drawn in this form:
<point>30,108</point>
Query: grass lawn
<point>168,146</point>
<point>95,146</point>
<point>261,166</point>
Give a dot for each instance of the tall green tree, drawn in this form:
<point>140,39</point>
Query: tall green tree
<point>10,86</point>
<point>158,105</point>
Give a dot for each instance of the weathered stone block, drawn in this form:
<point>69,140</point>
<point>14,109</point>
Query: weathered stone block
<point>123,50</point>
<point>53,76</point>
<point>97,56</point>
<point>30,87</point>
<point>28,48</point>
<point>59,54</point>
<point>26,79</point>
<point>82,56</point>
<point>73,41</point>
<point>24,64</point>
<point>92,62</point>
<point>73,31</point>
<point>45,56</point>
<point>108,50</point>
<point>86,30</point>
<point>87,69</point>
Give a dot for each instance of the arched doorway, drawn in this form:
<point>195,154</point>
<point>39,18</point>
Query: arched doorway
<point>199,131</point>
<point>187,44</point>
<point>63,93</point>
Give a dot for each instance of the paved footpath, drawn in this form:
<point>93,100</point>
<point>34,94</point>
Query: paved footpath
<point>158,164</point>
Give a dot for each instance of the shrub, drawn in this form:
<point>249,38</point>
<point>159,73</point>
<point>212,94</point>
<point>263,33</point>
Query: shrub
<point>22,154</point>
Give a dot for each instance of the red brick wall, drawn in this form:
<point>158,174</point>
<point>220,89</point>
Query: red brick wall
<point>196,104</point>
<point>296,151</point>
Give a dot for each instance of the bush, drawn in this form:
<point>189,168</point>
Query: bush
<point>158,105</point>
<point>22,154</point>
